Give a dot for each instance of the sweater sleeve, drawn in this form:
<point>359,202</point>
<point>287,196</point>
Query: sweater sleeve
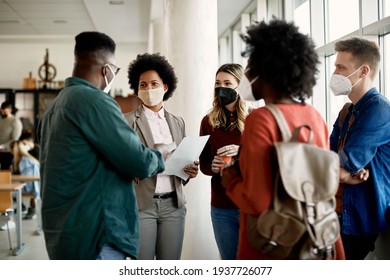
<point>252,192</point>
<point>205,157</point>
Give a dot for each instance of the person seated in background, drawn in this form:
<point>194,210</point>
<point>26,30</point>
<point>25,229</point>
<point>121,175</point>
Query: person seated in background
<point>25,164</point>
<point>27,139</point>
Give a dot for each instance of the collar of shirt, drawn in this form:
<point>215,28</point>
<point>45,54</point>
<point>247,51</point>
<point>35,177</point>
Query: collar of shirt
<point>152,114</point>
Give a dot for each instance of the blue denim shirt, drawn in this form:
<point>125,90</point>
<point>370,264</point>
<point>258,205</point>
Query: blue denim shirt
<point>367,146</point>
<point>30,168</point>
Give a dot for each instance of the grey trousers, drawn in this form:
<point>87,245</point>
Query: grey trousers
<point>162,230</point>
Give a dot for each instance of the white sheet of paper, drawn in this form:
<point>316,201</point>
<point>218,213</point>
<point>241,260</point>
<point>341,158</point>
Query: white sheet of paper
<point>187,152</point>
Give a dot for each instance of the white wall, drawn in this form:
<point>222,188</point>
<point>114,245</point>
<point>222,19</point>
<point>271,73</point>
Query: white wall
<point>19,58</point>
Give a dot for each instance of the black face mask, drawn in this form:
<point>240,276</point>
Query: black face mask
<point>225,95</point>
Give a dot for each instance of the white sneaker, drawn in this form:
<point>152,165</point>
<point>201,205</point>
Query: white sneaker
<point>11,225</point>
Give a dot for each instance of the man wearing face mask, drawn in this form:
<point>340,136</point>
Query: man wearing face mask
<point>224,123</point>
<point>361,136</point>
<point>89,158</point>
<point>161,201</point>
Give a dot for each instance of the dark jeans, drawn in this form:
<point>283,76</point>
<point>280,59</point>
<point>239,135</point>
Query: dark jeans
<point>357,247</point>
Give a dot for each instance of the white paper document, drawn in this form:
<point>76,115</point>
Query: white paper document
<point>186,153</point>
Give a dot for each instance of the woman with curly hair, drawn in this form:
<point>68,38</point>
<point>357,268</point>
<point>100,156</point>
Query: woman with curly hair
<point>282,68</point>
<point>161,201</point>
<point>224,123</point>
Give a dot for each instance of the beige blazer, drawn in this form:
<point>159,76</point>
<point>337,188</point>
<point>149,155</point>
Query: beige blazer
<point>145,189</point>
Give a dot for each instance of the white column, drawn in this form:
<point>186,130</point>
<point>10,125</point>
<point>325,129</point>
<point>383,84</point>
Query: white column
<point>191,46</point>
<point>223,51</point>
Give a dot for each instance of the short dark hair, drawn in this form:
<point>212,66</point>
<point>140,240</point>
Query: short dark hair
<point>26,136</point>
<point>283,57</point>
<point>93,43</point>
<point>146,62</point>
<point>364,51</point>
<point>6,104</point>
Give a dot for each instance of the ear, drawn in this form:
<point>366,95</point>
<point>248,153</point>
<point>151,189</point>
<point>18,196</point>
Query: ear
<point>365,70</point>
<point>165,88</point>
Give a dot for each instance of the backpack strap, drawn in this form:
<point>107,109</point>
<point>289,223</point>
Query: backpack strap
<point>284,128</point>
<point>343,113</point>
<point>281,121</point>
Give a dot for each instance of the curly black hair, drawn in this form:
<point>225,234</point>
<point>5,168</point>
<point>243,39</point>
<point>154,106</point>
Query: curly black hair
<point>283,57</point>
<point>156,62</point>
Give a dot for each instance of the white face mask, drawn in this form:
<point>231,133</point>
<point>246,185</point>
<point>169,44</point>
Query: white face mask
<point>244,88</point>
<point>151,97</point>
<point>109,84</point>
<point>341,85</point>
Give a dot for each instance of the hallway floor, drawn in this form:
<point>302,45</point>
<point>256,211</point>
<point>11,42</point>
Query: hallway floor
<point>34,248</point>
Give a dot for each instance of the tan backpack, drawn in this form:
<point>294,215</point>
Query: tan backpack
<point>302,222</point>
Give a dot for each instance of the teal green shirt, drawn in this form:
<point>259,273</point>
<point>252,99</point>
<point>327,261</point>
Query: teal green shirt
<point>89,156</point>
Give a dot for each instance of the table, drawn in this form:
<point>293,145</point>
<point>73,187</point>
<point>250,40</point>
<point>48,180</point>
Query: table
<point>18,178</point>
<point>16,187</point>
<point>24,178</point>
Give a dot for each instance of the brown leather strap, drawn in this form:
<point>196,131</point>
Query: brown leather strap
<point>343,113</point>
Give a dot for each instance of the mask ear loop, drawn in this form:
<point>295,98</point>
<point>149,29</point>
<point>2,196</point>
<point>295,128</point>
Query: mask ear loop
<point>104,73</point>
<point>359,77</point>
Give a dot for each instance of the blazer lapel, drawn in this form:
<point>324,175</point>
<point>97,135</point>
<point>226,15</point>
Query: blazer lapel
<point>143,126</point>
<point>174,128</point>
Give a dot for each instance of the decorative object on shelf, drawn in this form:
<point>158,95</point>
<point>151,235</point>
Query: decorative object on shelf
<point>29,82</point>
<point>47,72</point>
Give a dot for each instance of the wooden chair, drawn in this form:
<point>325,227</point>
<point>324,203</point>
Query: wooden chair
<point>6,209</point>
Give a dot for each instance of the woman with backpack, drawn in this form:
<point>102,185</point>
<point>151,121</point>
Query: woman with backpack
<point>281,70</point>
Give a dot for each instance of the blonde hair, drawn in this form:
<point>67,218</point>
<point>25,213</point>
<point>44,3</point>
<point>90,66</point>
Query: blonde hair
<point>217,117</point>
<point>19,151</point>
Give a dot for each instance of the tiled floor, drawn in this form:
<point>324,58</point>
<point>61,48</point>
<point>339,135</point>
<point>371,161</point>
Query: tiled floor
<point>34,248</point>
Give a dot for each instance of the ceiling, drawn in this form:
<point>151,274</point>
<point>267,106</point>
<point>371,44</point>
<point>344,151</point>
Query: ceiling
<point>126,21</point>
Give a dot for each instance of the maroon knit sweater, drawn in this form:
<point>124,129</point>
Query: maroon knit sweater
<point>219,137</point>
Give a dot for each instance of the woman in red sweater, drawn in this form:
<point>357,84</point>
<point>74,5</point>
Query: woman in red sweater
<point>224,123</point>
<point>281,69</point>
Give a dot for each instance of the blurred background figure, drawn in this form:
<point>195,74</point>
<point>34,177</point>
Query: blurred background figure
<point>10,130</point>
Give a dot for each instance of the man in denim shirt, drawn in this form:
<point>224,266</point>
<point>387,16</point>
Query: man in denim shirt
<point>361,136</point>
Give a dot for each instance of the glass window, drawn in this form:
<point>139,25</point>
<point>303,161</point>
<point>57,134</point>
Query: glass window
<point>253,16</point>
<point>386,67</point>
<point>386,8</point>
<point>343,18</point>
<point>302,15</point>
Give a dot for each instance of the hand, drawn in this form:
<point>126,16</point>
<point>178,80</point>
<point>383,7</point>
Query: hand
<point>192,169</point>
<point>228,150</point>
<point>229,173</point>
<point>348,178</point>
<point>217,164</point>
<point>362,175</point>
<point>165,149</point>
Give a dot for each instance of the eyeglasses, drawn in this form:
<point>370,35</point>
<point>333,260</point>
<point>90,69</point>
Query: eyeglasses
<point>114,69</point>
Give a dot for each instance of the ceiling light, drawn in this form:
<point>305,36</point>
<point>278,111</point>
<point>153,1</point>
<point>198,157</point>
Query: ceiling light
<point>116,2</point>
<point>60,21</point>
<point>9,21</point>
